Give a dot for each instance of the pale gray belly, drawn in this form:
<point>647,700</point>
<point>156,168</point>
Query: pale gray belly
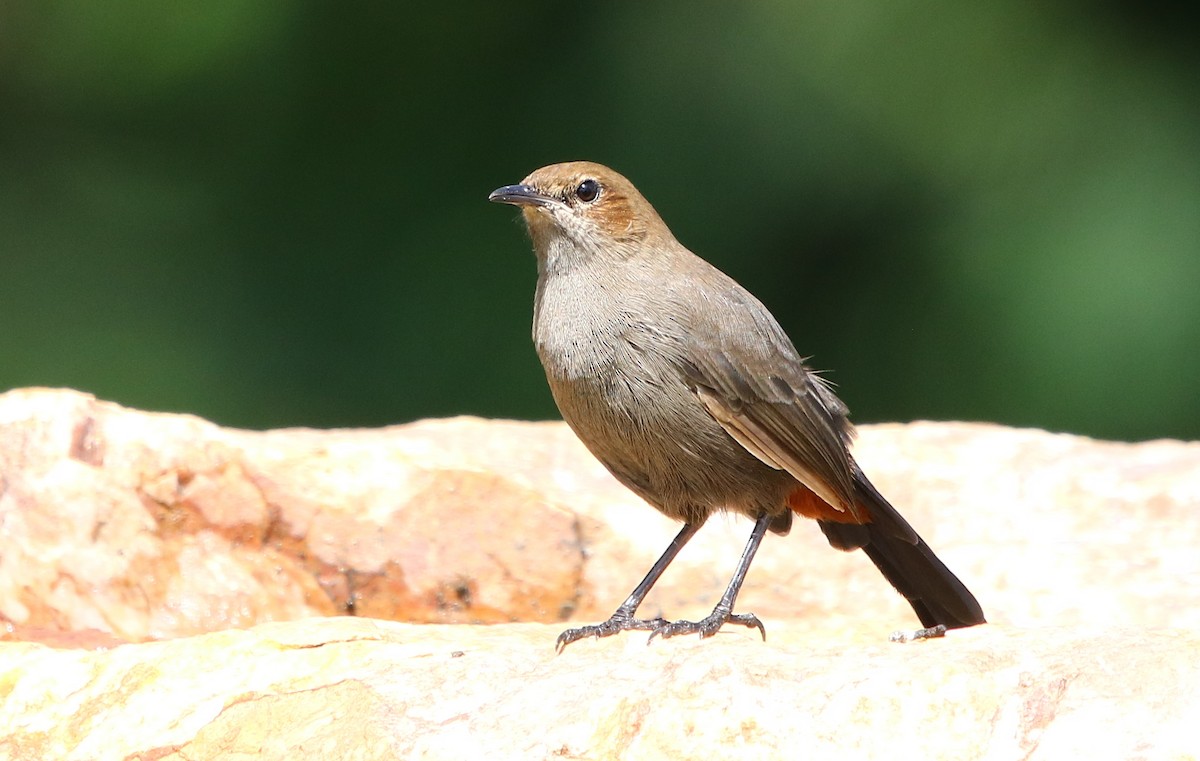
<point>651,431</point>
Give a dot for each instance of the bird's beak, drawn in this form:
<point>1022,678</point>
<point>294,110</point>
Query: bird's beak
<point>520,195</point>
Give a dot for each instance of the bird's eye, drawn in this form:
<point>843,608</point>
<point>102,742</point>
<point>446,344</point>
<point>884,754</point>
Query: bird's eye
<point>587,191</point>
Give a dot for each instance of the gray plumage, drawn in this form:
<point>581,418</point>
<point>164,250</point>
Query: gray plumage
<point>687,389</point>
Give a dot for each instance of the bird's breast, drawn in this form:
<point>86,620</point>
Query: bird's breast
<point>615,374</point>
<point>577,319</point>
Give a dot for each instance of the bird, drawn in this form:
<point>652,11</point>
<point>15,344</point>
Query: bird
<point>685,387</point>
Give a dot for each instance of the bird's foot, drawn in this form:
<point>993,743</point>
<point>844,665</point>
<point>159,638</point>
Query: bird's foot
<point>618,622</point>
<point>709,625</point>
<point>933,632</point>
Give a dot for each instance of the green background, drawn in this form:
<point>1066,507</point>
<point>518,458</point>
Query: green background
<point>273,213</point>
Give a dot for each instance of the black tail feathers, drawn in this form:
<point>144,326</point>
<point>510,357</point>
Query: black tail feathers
<point>936,594</point>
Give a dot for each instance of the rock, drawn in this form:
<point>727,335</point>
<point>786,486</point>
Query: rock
<point>364,689</point>
<point>119,526</point>
<point>149,525</point>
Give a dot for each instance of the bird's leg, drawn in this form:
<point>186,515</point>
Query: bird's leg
<point>622,619</point>
<point>723,613</point>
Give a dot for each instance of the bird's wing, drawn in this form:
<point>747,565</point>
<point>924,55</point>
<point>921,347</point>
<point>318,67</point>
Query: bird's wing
<point>749,377</point>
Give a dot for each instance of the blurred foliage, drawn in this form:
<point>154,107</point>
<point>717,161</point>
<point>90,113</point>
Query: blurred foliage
<point>273,213</point>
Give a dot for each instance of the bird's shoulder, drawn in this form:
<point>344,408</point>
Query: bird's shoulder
<point>747,373</point>
<point>739,345</point>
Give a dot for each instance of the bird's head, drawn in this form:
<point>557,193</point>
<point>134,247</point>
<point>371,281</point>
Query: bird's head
<point>583,209</point>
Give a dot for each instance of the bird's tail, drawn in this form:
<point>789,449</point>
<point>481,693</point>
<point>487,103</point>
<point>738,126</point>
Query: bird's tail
<point>936,594</point>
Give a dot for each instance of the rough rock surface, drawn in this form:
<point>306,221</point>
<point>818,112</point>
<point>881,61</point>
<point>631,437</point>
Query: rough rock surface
<point>365,689</point>
<point>121,526</point>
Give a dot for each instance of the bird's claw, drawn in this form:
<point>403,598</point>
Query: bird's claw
<point>618,622</point>
<point>933,632</point>
<point>709,625</point>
